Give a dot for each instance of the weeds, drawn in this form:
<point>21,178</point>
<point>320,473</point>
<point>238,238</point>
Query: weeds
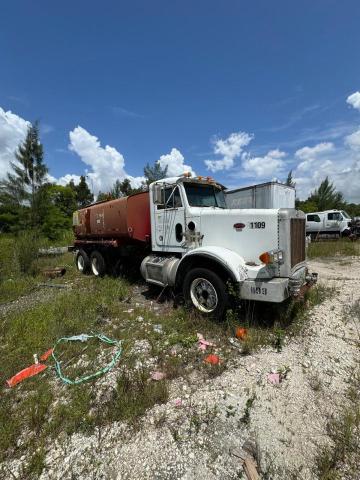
<point>341,247</point>
<point>26,251</point>
<point>36,464</point>
<point>245,419</point>
<point>278,342</point>
<point>134,395</point>
<point>21,266</point>
<point>342,454</point>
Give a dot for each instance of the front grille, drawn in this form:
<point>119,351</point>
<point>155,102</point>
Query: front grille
<point>297,238</point>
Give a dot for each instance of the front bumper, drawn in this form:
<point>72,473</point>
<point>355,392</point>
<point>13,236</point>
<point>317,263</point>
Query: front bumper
<point>277,290</point>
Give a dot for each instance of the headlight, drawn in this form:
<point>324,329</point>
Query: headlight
<point>273,256</point>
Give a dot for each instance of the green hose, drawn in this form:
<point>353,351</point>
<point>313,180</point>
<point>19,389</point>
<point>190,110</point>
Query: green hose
<point>83,338</point>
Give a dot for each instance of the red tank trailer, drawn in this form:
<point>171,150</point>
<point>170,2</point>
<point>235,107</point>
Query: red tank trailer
<point>120,222</point>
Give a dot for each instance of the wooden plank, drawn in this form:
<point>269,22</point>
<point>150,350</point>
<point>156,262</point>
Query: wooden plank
<point>250,469</point>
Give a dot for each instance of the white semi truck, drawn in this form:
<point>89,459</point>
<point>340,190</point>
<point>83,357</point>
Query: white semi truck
<point>189,240</point>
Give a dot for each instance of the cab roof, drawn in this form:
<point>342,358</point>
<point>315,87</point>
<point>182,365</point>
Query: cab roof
<point>186,179</point>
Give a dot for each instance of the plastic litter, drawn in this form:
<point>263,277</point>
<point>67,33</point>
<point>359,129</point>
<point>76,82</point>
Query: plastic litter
<point>277,375</point>
<point>202,343</point>
<point>26,373</point>
<point>46,355</point>
<point>158,328</point>
<point>158,375</point>
<point>83,338</point>
<point>212,359</point>
<point>241,333</point>
<point>273,378</point>
<point>178,402</point>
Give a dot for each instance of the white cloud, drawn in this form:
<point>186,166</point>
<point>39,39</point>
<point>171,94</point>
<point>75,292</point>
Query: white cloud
<point>353,140</point>
<point>343,169</point>
<point>106,164</point>
<point>309,155</point>
<point>12,132</point>
<point>175,163</point>
<point>345,178</point>
<point>354,100</point>
<point>64,180</point>
<point>229,148</point>
<point>269,165</point>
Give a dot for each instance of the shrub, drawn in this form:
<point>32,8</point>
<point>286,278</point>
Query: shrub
<point>26,251</point>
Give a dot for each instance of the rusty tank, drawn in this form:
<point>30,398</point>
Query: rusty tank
<point>124,220</point>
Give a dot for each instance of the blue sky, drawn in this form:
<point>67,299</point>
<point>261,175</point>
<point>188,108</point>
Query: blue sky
<point>241,90</point>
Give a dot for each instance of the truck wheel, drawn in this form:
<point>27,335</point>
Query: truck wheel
<point>206,291</point>
<point>82,262</point>
<point>98,265</point>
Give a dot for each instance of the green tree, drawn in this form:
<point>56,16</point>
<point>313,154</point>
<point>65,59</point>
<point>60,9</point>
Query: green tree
<point>326,197</point>
<point>83,193</point>
<point>64,198</point>
<point>353,209</point>
<point>57,207</point>
<point>306,206</point>
<point>9,217</point>
<point>289,180</point>
<point>103,196</point>
<point>154,173</point>
<point>123,189</point>
<point>23,185</point>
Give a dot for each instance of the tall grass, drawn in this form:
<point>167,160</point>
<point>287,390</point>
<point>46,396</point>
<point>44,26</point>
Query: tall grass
<point>341,247</point>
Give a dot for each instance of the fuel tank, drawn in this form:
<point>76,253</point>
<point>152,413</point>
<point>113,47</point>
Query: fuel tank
<point>126,220</point>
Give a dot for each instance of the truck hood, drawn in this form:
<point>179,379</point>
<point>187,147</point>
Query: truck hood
<point>249,232</point>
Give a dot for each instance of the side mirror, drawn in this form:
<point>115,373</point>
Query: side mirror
<point>158,195</point>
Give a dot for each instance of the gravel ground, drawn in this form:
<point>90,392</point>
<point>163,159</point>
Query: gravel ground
<point>38,295</point>
<point>205,422</point>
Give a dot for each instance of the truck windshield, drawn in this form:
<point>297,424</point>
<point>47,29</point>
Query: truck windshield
<point>345,214</point>
<point>204,196</point>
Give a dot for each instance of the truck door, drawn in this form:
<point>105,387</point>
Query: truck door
<point>333,222</point>
<point>170,221</point>
<point>313,223</point>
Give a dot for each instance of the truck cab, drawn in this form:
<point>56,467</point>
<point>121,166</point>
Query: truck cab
<point>199,245</point>
<point>329,222</point>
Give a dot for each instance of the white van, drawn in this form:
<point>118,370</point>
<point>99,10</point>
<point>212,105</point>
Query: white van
<point>332,222</point>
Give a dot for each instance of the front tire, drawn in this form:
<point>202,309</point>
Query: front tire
<point>98,265</point>
<point>82,262</point>
<point>205,291</point>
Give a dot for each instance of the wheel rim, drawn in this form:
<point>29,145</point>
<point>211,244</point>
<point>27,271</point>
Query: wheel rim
<point>203,295</point>
<point>94,266</point>
<point>80,263</point>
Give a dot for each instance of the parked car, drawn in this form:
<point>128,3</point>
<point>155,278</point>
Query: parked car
<point>330,222</point>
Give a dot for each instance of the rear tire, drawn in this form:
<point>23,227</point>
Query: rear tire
<point>205,291</point>
<point>82,262</point>
<point>98,265</point>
